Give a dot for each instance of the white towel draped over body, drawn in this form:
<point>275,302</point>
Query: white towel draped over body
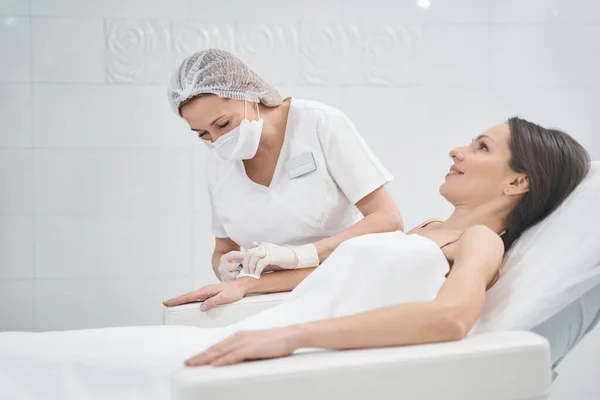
<point>364,273</point>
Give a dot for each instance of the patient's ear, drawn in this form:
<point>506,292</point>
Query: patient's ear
<point>520,185</point>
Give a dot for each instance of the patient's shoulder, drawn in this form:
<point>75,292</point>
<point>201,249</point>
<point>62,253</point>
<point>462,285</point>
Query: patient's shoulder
<point>482,234</point>
<point>481,244</point>
<point>481,231</point>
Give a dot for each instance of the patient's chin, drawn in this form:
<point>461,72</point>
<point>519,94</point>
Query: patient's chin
<point>447,192</point>
<point>446,188</point>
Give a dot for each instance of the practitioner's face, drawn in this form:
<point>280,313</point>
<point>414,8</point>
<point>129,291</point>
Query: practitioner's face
<point>480,171</point>
<point>211,116</point>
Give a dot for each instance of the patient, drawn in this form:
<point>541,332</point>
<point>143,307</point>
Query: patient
<point>376,290</point>
<point>507,180</point>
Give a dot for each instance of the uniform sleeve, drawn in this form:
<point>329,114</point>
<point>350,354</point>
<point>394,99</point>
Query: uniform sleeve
<point>351,163</point>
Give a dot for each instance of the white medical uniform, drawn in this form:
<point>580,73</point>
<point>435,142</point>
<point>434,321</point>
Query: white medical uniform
<point>324,168</point>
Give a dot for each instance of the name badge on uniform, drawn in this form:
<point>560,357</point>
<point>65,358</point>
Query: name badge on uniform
<point>301,165</point>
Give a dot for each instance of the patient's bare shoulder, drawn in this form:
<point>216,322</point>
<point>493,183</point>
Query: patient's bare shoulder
<point>481,248</point>
<point>482,235</point>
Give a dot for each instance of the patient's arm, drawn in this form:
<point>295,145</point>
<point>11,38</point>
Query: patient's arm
<point>477,257</point>
<point>280,281</point>
<point>229,292</point>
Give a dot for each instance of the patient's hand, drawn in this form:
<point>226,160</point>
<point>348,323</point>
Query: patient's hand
<point>213,295</point>
<point>253,345</point>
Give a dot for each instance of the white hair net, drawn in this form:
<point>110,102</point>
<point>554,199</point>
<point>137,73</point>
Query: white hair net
<point>221,73</point>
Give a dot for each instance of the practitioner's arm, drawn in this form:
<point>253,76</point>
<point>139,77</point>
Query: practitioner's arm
<point>380,214</point>
<point>478,255</point>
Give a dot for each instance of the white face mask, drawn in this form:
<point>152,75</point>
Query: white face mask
<point>241,143</point>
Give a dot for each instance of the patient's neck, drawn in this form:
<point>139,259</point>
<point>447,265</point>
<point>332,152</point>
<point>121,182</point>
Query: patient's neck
<point>464,217</point>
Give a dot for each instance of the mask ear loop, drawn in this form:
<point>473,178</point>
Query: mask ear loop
<point>246,110</point>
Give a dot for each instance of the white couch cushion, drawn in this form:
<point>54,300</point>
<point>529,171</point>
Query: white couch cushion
<point>491,366</point>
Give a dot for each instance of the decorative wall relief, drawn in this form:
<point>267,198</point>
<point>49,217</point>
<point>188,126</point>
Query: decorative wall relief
<point>271,49</point>
<point>285,53</point>
<point>191,36</point>
<point>393,54</point>
<point>332,54</point>
<point>137,51</point>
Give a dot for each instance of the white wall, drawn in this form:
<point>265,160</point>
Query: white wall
<point>103,210</point>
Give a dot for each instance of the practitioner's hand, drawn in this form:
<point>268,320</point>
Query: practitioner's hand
<point>228,265</point>
<point>251,345</point>
<point>213,295</point>
<point>264,257</point>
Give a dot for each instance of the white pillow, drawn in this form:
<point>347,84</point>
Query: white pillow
<point>552,265</point>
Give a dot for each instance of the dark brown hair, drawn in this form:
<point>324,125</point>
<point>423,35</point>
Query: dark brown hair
<point>554,163</point>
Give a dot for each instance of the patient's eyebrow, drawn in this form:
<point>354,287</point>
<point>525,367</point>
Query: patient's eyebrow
<point>485,136</point>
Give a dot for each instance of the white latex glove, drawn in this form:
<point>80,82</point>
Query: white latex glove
<point>228,266</point>
<point>258,258</point>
